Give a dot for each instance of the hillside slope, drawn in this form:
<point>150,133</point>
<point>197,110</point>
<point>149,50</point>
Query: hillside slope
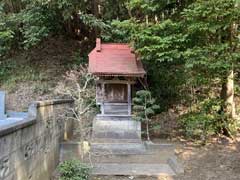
<point>33,75</point>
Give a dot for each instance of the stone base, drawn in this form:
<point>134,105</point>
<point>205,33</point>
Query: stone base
<point>116,135</point>
<point>115,127</point>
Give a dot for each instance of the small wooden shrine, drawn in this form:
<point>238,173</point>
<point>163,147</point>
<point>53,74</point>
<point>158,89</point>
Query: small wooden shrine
<point>117,67</point>
<point>116,136</point>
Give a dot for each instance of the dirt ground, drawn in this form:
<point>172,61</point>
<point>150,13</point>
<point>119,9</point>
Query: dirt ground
<point>218,160</point>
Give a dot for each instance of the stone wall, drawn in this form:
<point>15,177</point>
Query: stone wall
<point>29,149</point>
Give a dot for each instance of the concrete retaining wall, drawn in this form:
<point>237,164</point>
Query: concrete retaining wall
<point>29,150</point>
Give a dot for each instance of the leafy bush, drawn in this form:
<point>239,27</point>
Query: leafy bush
<point>38,21</point>
<point>208,119</point>
<point>5,40</point>
<point>198,125</point>
<point>73,170</point>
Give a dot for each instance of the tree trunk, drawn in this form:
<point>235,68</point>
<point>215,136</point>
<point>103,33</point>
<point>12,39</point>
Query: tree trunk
<point>147,129</point>
<point>96,14</point>
<point>227,94</point>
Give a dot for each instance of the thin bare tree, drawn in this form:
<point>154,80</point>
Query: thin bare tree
<point>78,84</point>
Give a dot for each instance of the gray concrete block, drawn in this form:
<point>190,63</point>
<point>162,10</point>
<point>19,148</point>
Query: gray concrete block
<point>116,129</point>
<point>2,105</point>
<point>115,125</point>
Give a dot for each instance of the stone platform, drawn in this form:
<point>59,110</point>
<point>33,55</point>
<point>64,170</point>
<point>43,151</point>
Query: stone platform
<point>115,127</point>
<point>156,160</point>
<point>116,134</point>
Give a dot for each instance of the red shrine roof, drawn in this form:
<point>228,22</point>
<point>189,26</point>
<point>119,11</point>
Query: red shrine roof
<point>114,59</point>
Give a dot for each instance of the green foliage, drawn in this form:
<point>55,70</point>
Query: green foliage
<point>198,48</point>
<point>198,125</point>
<point>155,9</point>
<point>207,119</point>
<point>114,10</point>
<point>6,34</point>
<point>6,37</point>
<point>73,170</point>
<point>35,28</point>
<point>36,20</point>
<point>93,22</point>
<point>119,31</point>
<point>188,55</point>
<point>161,47</point>
<point>69,7</point>
<point>161,42</point>
<point>27,27</point>
<point>144,107</point>
<point>212,38</point>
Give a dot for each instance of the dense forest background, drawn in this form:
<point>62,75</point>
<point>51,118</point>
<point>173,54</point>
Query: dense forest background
<point>190,48</point>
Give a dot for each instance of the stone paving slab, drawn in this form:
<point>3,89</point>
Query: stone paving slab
<point>118,148</point>
<point>133,169</point>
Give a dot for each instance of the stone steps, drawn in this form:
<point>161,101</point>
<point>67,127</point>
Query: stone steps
<point>116,108</point>
<point>117,135</point>
<point>118,148</point>
<point>111,117</point>
<point>146,157</point>
<point>133,169</point>
<point>156,160</point>
<point>117,112</point>
<point>110,140</point>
